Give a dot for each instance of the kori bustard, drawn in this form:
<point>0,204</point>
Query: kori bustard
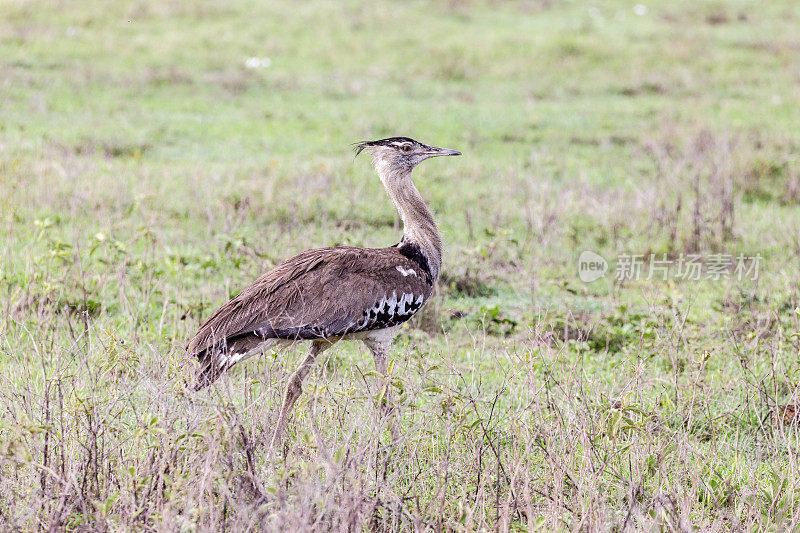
<point>328,294</point>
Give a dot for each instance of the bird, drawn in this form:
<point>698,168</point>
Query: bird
<point>337,293</point>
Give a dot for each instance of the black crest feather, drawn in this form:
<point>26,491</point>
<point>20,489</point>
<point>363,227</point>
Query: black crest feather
<point>360,146</point>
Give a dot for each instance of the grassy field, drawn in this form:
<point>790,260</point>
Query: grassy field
<point>155,157</point>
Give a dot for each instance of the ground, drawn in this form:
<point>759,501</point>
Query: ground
<point>155,157</point>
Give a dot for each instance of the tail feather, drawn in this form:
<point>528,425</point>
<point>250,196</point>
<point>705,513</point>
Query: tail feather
<point>208,371</point>
<point>216,360</point>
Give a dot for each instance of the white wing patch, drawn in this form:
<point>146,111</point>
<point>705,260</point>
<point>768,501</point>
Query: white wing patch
<point>406,272</point>
<point>404,301</point>
<point>391,310</point>
<point>391,303</point>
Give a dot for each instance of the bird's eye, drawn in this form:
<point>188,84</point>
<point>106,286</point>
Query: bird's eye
<point>406,148</point>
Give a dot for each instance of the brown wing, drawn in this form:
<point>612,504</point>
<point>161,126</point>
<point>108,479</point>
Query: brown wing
<point>323,293</point>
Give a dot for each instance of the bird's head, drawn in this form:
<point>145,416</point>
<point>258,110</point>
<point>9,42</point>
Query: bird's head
<point>400,154</point>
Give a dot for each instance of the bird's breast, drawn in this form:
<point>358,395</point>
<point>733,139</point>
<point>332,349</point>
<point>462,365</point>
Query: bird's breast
<point>382,336</point>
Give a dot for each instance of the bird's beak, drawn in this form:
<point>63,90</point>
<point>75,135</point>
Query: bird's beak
<point>432,151</point>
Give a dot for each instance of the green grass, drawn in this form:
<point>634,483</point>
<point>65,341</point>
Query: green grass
<point>146,175</point>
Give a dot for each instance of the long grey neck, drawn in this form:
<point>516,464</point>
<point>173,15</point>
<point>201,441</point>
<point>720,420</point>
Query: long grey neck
<point>418,225</point>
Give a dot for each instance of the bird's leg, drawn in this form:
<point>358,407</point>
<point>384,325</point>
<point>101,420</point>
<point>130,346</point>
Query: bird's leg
<point>294,387</point>
<point>386,406</point>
